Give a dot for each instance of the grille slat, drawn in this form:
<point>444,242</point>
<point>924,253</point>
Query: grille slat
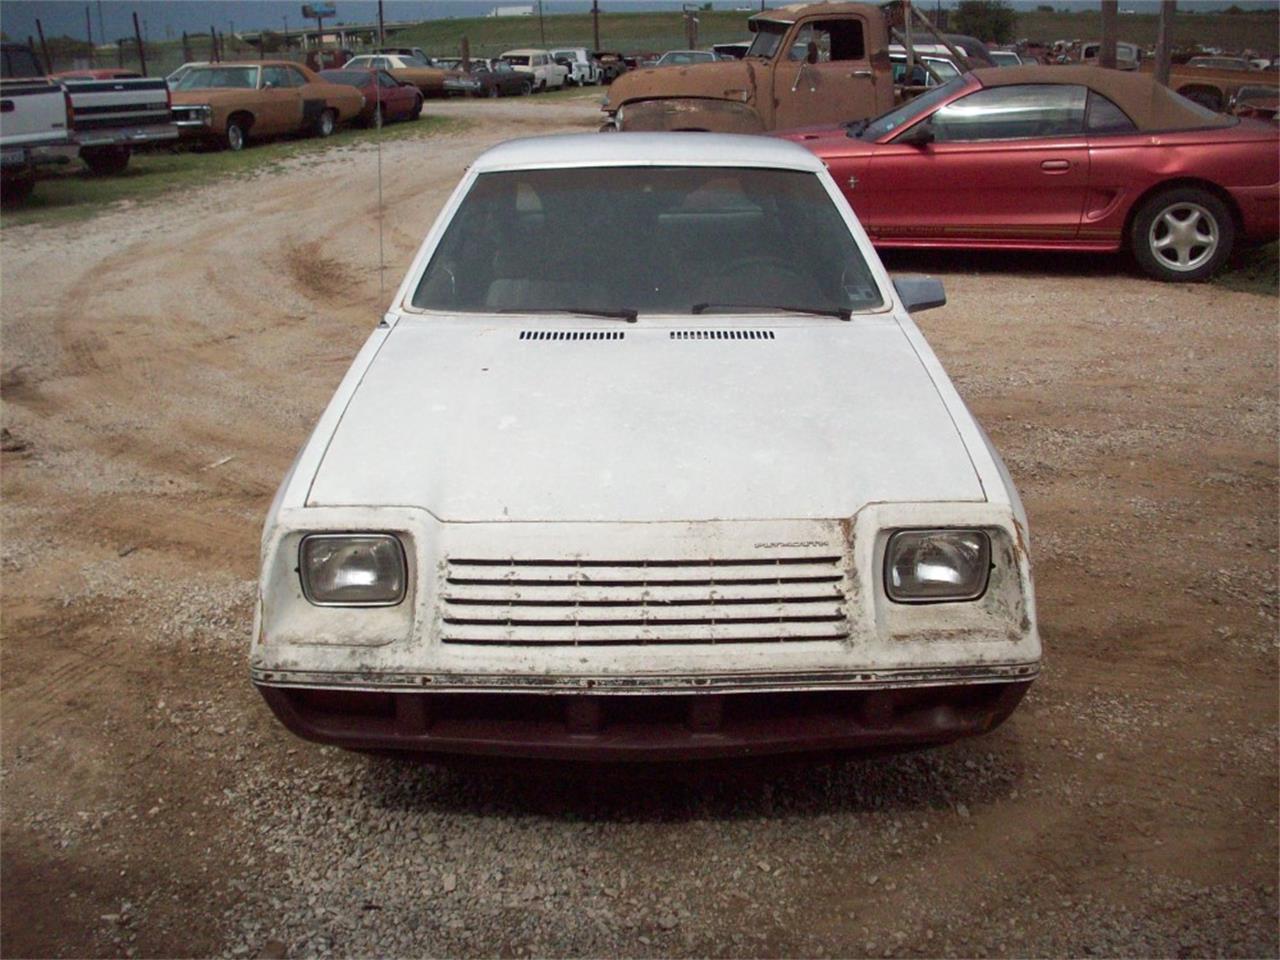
<point>591,602</point>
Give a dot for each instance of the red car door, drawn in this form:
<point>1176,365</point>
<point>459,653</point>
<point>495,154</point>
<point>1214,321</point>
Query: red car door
<point>1000,166</point>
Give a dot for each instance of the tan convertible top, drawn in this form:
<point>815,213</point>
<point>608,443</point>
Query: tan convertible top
<point>1149,105</point>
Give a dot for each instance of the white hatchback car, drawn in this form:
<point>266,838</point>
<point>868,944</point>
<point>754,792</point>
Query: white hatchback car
<point>704,492</point>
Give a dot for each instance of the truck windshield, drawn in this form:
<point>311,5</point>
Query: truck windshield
<point>768,35</point>
<point>674,240</point>
<point>212,78</point>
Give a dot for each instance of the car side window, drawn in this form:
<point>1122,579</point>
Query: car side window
<point>834,39</point>
<point>386,80</point>
<point>1105,117</point>
<point>293,78</point>
<point>274,77</point>
<point>1017,112</point>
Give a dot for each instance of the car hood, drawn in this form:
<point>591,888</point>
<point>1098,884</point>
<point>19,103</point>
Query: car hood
<point>828,140</point>
<point>494,423</point>
<point>725,80</point>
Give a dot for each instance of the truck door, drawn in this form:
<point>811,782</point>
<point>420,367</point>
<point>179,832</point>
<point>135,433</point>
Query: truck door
<point>824,74</point>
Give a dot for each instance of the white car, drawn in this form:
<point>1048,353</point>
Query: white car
<point>584,69</point>
<point>546,73</point>
<point>713,498</point>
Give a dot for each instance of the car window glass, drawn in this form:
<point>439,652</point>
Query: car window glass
<point>1018,112</point>
<point>834,39</point>
<point>386,80</point>
<point>768,35</point>
<point>696,235</point>
<point>293,77</point>
<point>206,78</point>
<point>905,113</point>
<point>1105,117</point>
<point>275,77</point>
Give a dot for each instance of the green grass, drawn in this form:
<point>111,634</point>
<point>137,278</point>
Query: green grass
<point>1256,270</point>
<point>1229,31</point>
<point>73,194</point>
<point>628,32</point>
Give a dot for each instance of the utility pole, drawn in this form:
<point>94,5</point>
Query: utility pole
<point>382,38</point>
<point>542,27</point>
<point>88,31</point>
<point>595,23</point>
<point>285,18</point>
<point>44,50</point>
<point>1164,40</point>
<point>142,54</point>
<point>213,45</point>
<point>102,31</point>
<point>1107,54</point>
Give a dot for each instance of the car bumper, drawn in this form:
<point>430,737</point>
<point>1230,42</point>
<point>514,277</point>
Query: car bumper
<point>128,136</point>
<point>13,158</point>
<point>643,728</point>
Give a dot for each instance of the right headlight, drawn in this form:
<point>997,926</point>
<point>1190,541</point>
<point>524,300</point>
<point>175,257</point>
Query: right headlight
<point>930,566</point>
<point>352,570</point>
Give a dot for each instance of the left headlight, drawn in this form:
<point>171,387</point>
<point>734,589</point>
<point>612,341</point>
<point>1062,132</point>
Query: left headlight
<point>923,566</point>
<point>352,570</point>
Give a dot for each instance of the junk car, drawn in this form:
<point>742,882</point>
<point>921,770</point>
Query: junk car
<point>716,499</point>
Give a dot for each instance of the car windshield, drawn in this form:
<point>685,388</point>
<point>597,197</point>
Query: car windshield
<point>690,240</point>
<point>901,115</point>
<point>352,78</point>
<point>212,78</point>
<point>768,35</point>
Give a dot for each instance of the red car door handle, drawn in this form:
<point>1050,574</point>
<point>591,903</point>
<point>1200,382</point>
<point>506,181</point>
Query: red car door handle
<point>1055,166</point>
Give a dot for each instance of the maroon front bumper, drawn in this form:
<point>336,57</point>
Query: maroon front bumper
<point>642,728</point>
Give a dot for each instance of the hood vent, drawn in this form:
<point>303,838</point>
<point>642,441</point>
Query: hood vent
<point>722,335</point>
<point>572,335</point>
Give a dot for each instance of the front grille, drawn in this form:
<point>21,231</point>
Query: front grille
<point>538,602</point>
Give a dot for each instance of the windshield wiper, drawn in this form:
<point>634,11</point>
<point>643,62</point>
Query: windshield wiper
<point>854,128</point>
<point>842,313</point>
<point>624,313</point>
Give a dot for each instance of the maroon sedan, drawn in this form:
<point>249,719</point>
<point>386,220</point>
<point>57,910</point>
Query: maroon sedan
<point>1060,158</point>
<point>400,101</point>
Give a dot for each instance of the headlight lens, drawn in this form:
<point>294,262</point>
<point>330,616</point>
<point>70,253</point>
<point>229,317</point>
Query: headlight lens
<point>922,566</point>
<point>357,570</point>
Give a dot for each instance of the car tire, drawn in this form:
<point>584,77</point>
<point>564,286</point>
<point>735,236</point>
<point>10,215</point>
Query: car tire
<point>15,190</point>
<point>526,88</point>
<point>416,112</point>
<point>237,135</point>
<point>325,124</point>
<point>106,161</point>
<point>1182,235</point>
<point>492,92</point>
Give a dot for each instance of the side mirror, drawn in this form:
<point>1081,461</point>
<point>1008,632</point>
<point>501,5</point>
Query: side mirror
<point>918,292</point>
<point>918,136</point>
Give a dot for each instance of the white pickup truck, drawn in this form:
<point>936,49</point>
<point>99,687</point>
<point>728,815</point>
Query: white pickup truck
<point>114,112</point>
<point>35,122</point>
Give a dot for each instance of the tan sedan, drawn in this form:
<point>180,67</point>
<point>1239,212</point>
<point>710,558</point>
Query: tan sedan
<point>228,102</point>
<point>432,81</point>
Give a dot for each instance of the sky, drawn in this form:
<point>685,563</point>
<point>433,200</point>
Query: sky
<point>166,19</point>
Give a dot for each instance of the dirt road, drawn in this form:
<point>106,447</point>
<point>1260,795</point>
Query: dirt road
<point>163,364</point>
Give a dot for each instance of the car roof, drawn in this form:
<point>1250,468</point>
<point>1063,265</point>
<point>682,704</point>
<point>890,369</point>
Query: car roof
<point>522,51</point>
<point>647,149</point>
<point>794,11</point>
<point>1150,105</point>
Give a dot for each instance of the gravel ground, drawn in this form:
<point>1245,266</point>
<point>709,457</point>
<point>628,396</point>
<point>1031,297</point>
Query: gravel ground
<point>163,363</point>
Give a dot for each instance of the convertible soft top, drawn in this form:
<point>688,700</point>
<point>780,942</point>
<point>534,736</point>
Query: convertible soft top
<point>1150,105</point>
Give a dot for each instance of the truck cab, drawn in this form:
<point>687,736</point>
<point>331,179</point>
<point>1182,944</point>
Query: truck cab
<point>807,64</point>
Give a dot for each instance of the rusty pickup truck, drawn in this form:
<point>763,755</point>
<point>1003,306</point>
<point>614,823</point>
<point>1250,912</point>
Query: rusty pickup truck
<point>807,64</point>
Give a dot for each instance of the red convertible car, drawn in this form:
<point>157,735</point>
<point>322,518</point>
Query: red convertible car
<point>399,100</point>
<point>1060,158</point>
